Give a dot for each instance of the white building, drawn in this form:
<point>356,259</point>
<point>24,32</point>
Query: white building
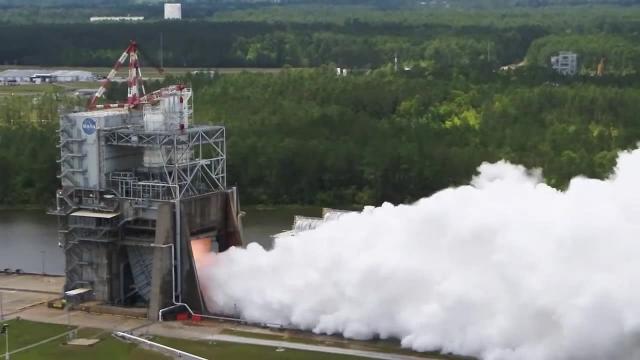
<point>172,11</point>
<point>17,76</point>
<point>73,75</point>
<point>24,76</point>
<point>115,18</point>
<point>565,63</point>
<point>342,71</point>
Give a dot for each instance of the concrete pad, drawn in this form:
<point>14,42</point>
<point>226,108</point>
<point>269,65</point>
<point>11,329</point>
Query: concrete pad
<point>83,342</point>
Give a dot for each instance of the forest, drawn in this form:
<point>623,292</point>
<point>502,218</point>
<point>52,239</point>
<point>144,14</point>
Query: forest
<point>309,137</point>
<point>382,133</point>
<point>351,36</point>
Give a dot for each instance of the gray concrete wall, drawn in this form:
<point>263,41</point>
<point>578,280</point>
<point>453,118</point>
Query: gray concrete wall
<point>161,277</point>
<point>205,212</point>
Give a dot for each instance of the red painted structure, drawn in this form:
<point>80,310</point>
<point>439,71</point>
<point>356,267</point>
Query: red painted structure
<point>136,93</point>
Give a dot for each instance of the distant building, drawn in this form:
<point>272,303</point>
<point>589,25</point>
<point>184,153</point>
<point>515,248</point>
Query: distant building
<point>115,18</point>
<point>85,92</point>
<point>172,11</point>
<point>38,76</point>
<point>41,78</point>
<point>512,67</point>
<point>73,75</point>
<point>565,63</point>
<point>17,76</point>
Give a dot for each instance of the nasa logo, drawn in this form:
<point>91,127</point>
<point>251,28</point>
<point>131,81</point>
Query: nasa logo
<point>89,126</point>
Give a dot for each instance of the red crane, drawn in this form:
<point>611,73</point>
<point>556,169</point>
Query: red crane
<point>136,93</point>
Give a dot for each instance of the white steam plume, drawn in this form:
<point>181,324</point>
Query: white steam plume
<point>505,268</point>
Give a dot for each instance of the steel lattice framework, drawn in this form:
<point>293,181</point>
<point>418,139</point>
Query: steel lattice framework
<point>193,162</point>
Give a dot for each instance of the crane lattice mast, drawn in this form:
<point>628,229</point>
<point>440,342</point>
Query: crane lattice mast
<point>136,91</point>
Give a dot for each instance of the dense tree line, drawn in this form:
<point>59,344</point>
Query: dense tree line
<point>308,136</point>
<point>351,36</point>
<point>28,153</point>
<point>238,44</point>
<point>378,134</point>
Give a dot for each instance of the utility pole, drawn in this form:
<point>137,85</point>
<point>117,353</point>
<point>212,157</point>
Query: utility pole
<point>5,330</point>
<point>1,310</point>
<point>72,334</point>
<point>66,309</point>
<point>43,256</point>
<point>161,50</point>
<point>488,51</point>
<point>395,61</point>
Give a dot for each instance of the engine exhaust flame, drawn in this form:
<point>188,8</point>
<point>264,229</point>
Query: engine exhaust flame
<point>504,268</point>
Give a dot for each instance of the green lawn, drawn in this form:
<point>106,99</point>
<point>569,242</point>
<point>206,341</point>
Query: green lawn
<point>25,89</point>
<point>385,346</point>
<point>23,333</point>
<point>35,89</point>
<point>107,349</point>
<point>224,350</point>
<point>148,71</point>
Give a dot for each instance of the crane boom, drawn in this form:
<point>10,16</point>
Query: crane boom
<point>136,93</point>
<point>134,81</point>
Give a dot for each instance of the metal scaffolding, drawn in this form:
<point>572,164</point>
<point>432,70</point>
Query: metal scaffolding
<point>126,172</point>
<point>192,163</point>
<point>71,155</point>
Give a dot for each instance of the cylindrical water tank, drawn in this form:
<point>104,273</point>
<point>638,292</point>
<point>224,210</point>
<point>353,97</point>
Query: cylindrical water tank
<point>172,11</point>
<point>153,119</point>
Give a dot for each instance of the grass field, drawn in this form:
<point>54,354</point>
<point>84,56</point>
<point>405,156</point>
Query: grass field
<point>35,89</point>
<point>146,72</point>
<point>23,333</point>
<point>385,346</point>
<point>224,350</point>
<point>27,89</point>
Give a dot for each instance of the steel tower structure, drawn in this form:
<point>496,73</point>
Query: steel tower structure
<point>138,183</point>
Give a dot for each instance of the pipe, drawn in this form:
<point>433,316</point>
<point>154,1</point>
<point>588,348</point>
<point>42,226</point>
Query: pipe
<point>191,312</point>
<point>178,242</point>
<point>173,285</point>
<point>178,239</point>
<point>173,280</point>
<point>180,353</point>
<point>173,291</point>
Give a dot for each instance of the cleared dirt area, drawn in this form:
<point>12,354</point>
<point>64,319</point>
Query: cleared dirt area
<point>33,283</point>
<point>21,292</point>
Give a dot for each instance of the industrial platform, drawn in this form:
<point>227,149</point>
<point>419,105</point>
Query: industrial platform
<point>140,183</point>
